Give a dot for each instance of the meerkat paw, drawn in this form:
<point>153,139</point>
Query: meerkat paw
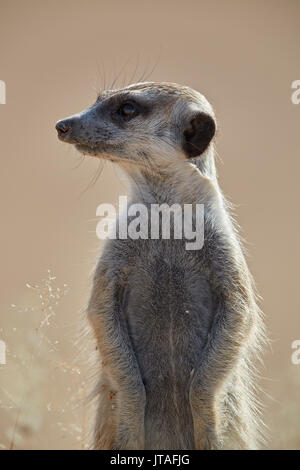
<point>206,438</point>
<point>209,441</point>
<point>128,441</point>
<point>130,437</point>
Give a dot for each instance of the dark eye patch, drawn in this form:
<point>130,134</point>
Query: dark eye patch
<point>126,102</point>
<point>128,111</point>
<point>121,108</point>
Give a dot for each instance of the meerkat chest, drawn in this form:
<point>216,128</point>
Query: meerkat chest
<point>168,306</point>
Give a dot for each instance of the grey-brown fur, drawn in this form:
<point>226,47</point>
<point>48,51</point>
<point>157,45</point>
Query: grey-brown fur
<point>178,331</point>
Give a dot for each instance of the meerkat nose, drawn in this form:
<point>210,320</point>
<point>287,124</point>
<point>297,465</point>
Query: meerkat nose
<point>63,126</point>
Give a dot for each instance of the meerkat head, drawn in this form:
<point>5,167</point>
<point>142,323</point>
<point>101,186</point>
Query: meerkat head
<point>144,123</point>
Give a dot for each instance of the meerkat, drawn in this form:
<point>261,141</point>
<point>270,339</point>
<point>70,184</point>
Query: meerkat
<point>178,331</point>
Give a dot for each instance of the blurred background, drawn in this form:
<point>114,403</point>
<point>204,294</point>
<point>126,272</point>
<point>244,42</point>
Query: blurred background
<point>54,58</point>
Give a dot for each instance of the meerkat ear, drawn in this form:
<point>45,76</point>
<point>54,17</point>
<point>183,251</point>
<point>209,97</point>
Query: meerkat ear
<point>198,134</point>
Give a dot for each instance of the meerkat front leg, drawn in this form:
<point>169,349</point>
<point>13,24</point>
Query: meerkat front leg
<point>231,327</point>
<point>233,318</point>
<point>118,359</point>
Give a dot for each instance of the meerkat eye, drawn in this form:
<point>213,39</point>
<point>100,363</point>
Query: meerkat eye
<point>128,111</point>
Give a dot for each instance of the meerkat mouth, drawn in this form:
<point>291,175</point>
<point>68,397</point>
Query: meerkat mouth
<point>93,152</point>
<point>86,149</point>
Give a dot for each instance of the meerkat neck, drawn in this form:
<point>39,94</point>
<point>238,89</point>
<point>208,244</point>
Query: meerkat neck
<point>206,163</point>
<point>178,182</point>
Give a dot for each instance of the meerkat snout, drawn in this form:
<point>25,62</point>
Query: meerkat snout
<point>143,123</point>
<point>63,127</point>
